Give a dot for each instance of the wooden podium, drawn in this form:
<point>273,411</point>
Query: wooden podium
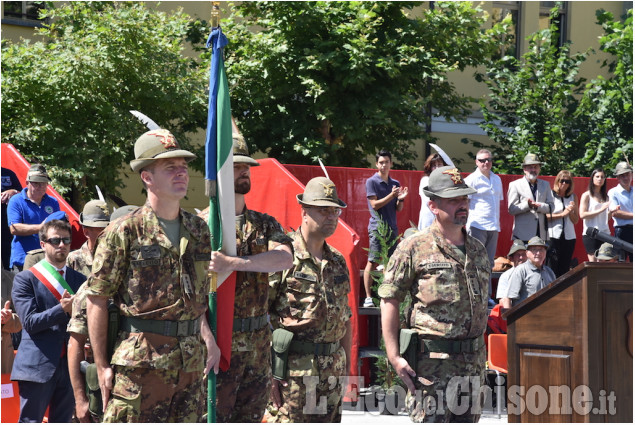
<point>570,348</point>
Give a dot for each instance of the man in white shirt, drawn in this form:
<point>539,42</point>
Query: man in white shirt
<point>484,219</point>
<point>621,202</point>
<point>517,255</point>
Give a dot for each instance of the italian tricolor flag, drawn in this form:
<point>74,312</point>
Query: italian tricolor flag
<point>50,277</point>
<point>219,173</point>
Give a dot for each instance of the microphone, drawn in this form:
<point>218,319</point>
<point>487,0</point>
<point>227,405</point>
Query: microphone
<point>605,237</point>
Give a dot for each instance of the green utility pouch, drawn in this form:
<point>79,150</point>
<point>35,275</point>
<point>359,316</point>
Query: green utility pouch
<point>92,389</point>
<point>408,346</point>
<point>281,341</point>
<point>113,328</point>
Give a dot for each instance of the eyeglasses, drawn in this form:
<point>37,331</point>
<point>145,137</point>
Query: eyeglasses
<point>565,181</point>
<point>327,211</point>
<point>37,184</point>
<point>484,160</point>
<point>57,241</point>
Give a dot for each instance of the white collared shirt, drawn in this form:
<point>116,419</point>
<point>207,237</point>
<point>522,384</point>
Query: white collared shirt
<point>485,203</point>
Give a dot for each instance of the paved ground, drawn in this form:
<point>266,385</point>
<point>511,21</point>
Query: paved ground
<point>355,417</point>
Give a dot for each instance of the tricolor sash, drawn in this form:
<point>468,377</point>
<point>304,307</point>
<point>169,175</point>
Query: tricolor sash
<point>50,277</point>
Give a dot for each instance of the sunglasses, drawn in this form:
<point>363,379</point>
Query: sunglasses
<point>484,160</point>
<point>565,181</point>
<point>327,211</point>
<point>57,241</point>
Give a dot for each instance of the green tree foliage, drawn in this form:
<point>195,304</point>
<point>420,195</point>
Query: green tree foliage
<point>606,110</point>
<point>340,80</point>
<point>65,101</point>
<point>532,102</point>
<point>539,104</point>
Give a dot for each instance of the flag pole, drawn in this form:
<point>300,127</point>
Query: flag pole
<point>213,281</point>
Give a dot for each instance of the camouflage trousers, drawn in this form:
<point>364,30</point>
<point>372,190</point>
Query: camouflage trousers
<point>243,391</point>
<point>155,395</point>
<point>448,390</point>
<point>314,390</point>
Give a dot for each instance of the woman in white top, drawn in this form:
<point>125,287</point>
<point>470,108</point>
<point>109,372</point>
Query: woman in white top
<point>594,211</point>
<point>561,221</point>
<point>426,217</point>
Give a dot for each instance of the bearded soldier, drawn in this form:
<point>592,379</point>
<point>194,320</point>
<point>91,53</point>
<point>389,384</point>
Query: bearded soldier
<point>446,272</point>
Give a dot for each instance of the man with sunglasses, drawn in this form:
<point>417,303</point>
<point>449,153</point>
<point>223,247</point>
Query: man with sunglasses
<point>621,203</point>
<point>26,213</point>
<point>483,222</point>
<point>43,297</point>
<point>262,247</point>
<point>311,307</point>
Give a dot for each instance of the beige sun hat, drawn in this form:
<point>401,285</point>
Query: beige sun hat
<point>157,144</point>
<point>446,182</point>
<point>95,214</point>
<point>320,192</point>
<point>37,174</point>
<point>241,151</point>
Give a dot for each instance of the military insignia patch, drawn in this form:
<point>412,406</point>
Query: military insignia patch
<point>455,175</point>
<point>104,208</point>
<point>166,138</point>
<point>328,189</point>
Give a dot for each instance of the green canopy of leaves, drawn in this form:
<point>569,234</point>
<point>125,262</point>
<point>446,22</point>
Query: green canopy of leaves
<point>65,101</point>
<point>539,104</point>
<point>341,80</point>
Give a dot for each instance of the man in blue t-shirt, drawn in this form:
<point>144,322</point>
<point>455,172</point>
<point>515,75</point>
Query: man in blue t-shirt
<point>10,187</point>
<point>385,197</point>
<point>26,212</point>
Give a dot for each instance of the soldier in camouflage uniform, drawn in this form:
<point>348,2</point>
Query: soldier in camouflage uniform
<point>153,263</point>
<point>446,272</point>
<point>262,247</point>
<point>78,325</point>
<point>312,303</point>
<point>94,219</point>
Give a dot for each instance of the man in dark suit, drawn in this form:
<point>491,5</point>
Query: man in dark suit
<point>43,297</point>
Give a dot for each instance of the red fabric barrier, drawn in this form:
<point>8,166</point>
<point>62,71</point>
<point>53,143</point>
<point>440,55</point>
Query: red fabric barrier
<point>10,399</point>
<point>274,191</point>
<point>351,187</point>
<point>13,160</point>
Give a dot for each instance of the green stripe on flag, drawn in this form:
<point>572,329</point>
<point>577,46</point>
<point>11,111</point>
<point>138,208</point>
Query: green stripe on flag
<point>53,271</point>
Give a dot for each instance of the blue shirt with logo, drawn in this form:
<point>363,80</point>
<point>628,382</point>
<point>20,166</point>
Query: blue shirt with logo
<point>23,210</point>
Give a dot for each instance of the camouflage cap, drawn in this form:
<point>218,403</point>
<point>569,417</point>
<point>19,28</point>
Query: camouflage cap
<point>320,192</point>
<point>517,245</point>
<point>121,211</point>
<point>446,182</point>
<point>606,252</point>
<point>531,159</point>
<point>37,173</point>
<point>95,214</point>
<point>157,144</point>
<point>536,241</point>
<point>241,151</point>
<point>622,168</point>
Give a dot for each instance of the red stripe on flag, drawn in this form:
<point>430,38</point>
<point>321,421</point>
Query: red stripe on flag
<point>225,319</point>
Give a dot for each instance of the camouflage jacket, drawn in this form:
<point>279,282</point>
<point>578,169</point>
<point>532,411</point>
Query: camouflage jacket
<point>136,264</point>
<point>260,233</point>
<point>78,322</point>
<point>448,288</point>
<point>312,301</point>
<point>81,260</point>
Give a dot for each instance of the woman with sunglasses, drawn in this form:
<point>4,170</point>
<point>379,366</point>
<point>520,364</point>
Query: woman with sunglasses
<point>562,220</point>
<point>594,212</point>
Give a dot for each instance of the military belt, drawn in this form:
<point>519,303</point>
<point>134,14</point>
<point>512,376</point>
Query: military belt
<point>451,346</point>
<point>301,347</point>
<point>173,328</point>
<point>250,324</point>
